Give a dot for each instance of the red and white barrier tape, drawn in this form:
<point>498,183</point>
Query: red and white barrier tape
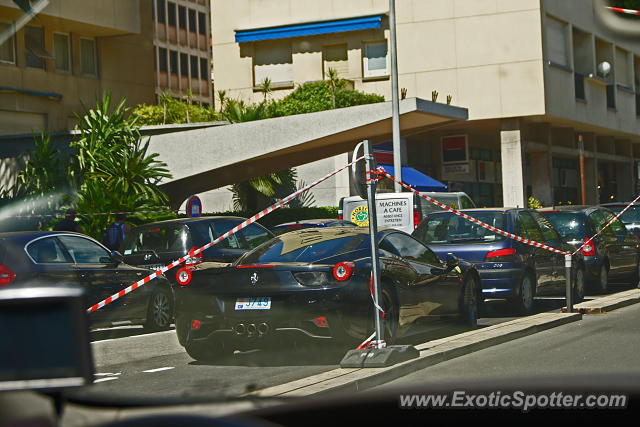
<point>194,252</point>
<point>96,213</point>
<point>586,242</point>
<point>381,171</point>
<point>621,10</point>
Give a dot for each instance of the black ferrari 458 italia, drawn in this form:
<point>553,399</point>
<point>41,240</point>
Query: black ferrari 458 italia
<point>316,283</point>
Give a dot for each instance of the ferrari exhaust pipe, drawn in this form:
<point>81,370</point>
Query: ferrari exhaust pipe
<point>251,329</point>
<point>263,328</point>
<point>240,329</point>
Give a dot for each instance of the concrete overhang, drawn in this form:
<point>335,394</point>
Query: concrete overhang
<point>214,157</point>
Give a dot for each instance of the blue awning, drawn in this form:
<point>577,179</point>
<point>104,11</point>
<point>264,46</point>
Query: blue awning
<point>310,29</point>
<point>417,179</point>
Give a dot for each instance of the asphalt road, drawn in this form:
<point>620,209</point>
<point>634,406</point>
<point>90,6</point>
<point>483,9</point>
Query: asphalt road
<point>130,363</point>
<point>599,345</point>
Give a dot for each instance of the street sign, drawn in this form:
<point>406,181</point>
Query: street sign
<point>194,207</point>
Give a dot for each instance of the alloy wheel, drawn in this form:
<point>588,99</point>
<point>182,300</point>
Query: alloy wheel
<point>526,294</point>
<point>579,285</point>
<point>160,312</point>
<point>604,279</point>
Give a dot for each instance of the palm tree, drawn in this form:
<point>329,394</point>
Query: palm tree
<point>222,95</point>
<point>165,97</point>
<point>188,94</point>
<point>265,87</point>
<point>334,84</point>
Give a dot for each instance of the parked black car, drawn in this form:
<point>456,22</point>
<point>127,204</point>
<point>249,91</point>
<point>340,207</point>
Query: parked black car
<point>157,244</point>
<point>613,255</point>
<point>630,218</point>
<point>315,283</point>
<point>310,223</point>
<point>65,258</point>
<point>508,269</point>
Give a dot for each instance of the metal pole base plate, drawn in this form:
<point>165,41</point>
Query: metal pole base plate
<point>378,357</point>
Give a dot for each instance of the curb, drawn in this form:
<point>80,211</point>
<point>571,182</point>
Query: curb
<point>608,303</point>
<point>126,349</point>
<point>431,353</point>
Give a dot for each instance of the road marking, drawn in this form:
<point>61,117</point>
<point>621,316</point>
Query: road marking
<point>107,373</point>
<point>105,379</point>
<point>166,368</point>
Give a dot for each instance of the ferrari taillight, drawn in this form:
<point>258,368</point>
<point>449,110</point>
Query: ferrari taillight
<point>588,250</point>
<point>6,275</point>
<point>183,276</point>
<point>343,271</point>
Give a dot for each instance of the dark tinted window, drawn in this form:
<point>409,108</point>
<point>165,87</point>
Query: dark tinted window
<point>192,20</point>
<point>234,241</point>
<point>204,70</point>
<point>306,246</point>
<point>450,228</point>
<point>202,23</point>
<point>194,67</point>
<point>173,61</point>
<point>173,238</point>
<point>171,8</point>
<point>598,221</point>
<point>162,58</point>
<point>85,251</point>
<point>549,233</point>
<point>569,224</point>
<point>182,17</point>
<point>630,215</point>
<point>254,235</point>
<point>409,248</point>
<point>616,226</point>
<point>528,227</point>
<point>161,10</point>
<point>184,65</point>
<point>46,250</point>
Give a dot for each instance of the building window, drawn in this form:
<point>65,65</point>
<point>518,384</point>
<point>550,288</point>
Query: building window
<point>8,48</point>
<point>182,17</point>
<point>202,23</point>
<point>88,57</point>
<point>171,8</point>
<point>192,20</point>
<point>204,69</point>
<point>161,10</point>
<point>173,61</point>
<point>194,67</point>
<point>34,47</point>
<point>273,59</point>
<point>335,57</point>
<point>62,52</point>
<point>623,69</point>
<point>162,59</point>
<point>556,32</point>
<point>375,59</point>
<point>184,64</point>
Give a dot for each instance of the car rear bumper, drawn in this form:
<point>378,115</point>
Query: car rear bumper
<point>499,282</point>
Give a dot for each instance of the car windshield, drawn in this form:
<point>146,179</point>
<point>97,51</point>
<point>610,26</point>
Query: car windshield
<point>166,238</point>
<point>630,216</point>
<point>450,228</point>
<point>570,225</point>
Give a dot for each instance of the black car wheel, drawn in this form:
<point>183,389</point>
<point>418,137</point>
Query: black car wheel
<point>603,279</point>
<point>390,320</point>
<point>160,311</point>
<point>578,285</point>
<point>470,303</point>
<point>523,303</point>
<point>208,352</point>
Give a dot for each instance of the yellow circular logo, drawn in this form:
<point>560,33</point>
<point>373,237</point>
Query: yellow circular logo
<point>360,216</point>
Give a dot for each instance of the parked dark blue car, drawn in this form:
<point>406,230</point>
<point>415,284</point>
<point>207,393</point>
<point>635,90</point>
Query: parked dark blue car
<point>508,269</point>
<point>613,254</point>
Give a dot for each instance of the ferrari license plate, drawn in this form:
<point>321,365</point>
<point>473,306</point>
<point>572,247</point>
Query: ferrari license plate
<point>261,303</point>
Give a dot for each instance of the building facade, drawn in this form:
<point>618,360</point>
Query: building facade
<point>536,76</point>
<point>182,46</point>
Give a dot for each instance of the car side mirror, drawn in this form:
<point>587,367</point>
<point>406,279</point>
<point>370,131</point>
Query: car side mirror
<point>117,257</point>
<point>451,261</point>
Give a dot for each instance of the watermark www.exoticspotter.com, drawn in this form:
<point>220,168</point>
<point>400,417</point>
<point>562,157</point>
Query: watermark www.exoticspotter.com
<point>517,400</point>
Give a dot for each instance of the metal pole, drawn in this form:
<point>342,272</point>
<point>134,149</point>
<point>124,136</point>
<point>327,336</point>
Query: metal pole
<point>567,268</point>
<point>373,232</point>
<point>583,187</point>
<point>395,118</point>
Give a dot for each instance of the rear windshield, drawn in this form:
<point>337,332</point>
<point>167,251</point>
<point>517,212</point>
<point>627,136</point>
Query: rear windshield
<point>174,238</point>
<point>306,246</point>
<point>569,224</point>
<point>449,200</point>
<point>629,216</point>
<point>450,228</point>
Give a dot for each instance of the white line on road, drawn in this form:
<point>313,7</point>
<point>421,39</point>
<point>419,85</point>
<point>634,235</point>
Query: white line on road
<point>105,379</point>
<point>107,373</point>
<point>166,368</point>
